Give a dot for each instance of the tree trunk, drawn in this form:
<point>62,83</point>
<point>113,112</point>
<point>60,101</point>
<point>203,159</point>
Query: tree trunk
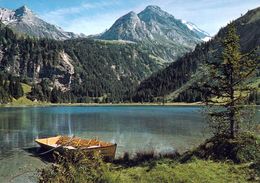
<point>232,122</point>
<point>232,105</point>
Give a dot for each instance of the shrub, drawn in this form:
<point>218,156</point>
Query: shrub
<point>75,167</point>
<point>244,148</point>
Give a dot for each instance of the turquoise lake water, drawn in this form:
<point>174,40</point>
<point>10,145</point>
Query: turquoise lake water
<point>133,128</point>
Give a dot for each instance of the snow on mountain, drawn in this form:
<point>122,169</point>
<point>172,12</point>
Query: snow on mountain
<point>205,39</point>
<point>158,31</point>
<point>202,34</point>
<point>6,15</point>
<point>154,22</point>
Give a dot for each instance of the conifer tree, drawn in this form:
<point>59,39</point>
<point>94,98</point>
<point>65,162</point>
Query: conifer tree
<point>55,95</point>
<point>15,88</point>
<point>18,90</point>
<point>226,90</point>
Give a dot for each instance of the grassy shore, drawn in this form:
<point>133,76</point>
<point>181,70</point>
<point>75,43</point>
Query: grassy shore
<point>24,101</point>
<point>210,162</point>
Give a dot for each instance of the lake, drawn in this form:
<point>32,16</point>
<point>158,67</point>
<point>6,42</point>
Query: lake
<point>133,128</point>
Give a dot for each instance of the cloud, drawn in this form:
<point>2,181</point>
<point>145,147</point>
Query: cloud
<point>95,24</point>
<point>78,9</point>
<point>92,17</point>
<point>67,17</point>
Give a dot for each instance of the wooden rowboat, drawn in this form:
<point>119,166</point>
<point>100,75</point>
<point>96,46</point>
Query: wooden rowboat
<point>61,143</point>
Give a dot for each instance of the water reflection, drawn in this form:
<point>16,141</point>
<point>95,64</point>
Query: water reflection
<point>133,128</point>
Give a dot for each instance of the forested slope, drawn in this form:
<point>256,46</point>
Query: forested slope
<point>75,70</point>
<point>180,75</point>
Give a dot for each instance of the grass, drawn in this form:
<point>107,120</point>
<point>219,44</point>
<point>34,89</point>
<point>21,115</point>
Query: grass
<point>26,88</point>
<point>22,101</point>
<point>153,170</point>
<point>211,165</point>
<point>168,171</point>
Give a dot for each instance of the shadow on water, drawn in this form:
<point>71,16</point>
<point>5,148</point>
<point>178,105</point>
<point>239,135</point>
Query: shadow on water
<point>38,152</point>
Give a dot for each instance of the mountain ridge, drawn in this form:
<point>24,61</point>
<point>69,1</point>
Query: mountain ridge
<point>152,13</point>
<point>77,70</point>
<point>158,31</point>
<point>175,80</point>
<point>24,20</point>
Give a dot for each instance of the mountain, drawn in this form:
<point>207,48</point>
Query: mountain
<point>174,81</point>
<point>161,34</point>
<point>75,70</point>
<point>129,27</point>
<point>202,34</point>
<point>23,20</point>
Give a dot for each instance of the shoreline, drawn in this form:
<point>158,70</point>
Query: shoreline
<point>42,104</point>
<point>102,104</point>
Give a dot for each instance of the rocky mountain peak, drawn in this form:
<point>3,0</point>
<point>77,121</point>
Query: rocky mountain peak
<point>153,8</point>
<point>131,16</point>
<point>152,12</point>
<point>129,27</point>
<point>24,13</point>
<point>23,10</point>
<point>157,28</point>
<point>24,20</point>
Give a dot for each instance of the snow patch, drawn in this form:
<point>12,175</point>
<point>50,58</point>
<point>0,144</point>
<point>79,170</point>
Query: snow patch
<point>192,26</point>
<point>206,39</point>
<point>7,16</point>
<point>195,28</point>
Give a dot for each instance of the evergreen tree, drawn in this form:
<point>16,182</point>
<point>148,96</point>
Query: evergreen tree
<point>226,90</point>
<point>6,86</point>
<point>18,90</point>
<point>4,96</point>
<point>15,88</point>
<point>1,80</point>
<point>55,95</point>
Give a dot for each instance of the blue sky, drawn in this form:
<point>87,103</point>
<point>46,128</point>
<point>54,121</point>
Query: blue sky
<point>94,16</point>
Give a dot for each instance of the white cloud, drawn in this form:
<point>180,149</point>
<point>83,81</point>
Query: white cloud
<point>93,18</point>
<point>94,24</point>
<point>71,17</point>
<point>78,9</point>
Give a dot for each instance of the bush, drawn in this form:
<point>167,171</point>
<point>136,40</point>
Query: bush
<point>75,167</point>
<point>244,148</point>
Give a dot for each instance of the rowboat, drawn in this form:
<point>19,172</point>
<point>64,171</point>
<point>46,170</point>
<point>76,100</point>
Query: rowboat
<point>61,143</point>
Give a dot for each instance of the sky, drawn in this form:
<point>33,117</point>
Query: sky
<point>95,16</point>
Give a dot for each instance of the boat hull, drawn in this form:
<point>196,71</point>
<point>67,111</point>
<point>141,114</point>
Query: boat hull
<point>107,152</point>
